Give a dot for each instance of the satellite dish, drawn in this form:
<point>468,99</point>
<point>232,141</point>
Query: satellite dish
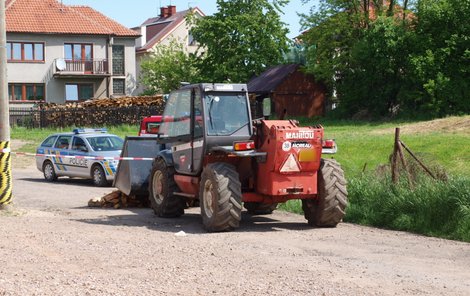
<point>60,64</point>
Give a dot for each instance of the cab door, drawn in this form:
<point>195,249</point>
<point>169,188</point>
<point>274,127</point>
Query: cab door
<point>179,129</point>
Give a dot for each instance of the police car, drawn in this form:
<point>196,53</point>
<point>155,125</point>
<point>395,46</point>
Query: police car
<point>81,153</point>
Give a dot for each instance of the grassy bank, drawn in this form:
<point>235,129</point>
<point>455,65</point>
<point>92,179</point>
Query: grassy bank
<point>433,208</point>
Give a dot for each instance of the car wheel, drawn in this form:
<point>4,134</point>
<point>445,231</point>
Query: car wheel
<point>98,175</point>
<point>49,172</point>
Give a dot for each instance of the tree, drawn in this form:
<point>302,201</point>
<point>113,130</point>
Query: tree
<point>382,57</point>
<point>441,60</point>
<point>359,49</point>
<point>240,40</point>
<point>167,67</point>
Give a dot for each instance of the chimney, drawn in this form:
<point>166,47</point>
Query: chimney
<point>164,12</point>
<point>171,10</point>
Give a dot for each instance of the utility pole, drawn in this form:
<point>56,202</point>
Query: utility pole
<point>5,155</point>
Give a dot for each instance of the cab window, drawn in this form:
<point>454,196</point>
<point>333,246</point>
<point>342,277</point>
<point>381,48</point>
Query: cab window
<point>198,121</point>
<point>227,113</point>
<point>49,141</point>
<point>176,118</point>
<point>153,127</point>
<point>63,142</point>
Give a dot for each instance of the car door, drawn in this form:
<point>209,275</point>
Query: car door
<point>79,165</point>
<point>61,148</point>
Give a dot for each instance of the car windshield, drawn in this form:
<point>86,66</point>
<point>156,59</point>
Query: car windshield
<point>105,143</point>
<point>227,113</point>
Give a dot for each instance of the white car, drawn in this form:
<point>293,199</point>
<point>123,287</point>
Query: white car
<point>84,153</point>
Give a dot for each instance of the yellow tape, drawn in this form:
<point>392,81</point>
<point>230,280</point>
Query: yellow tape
<point>5,173</point>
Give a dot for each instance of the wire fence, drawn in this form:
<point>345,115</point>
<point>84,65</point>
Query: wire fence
<point>35,117</point>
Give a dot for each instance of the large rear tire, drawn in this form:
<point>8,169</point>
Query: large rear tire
<point>161,188</point>
<point>221,197</point>
<point>257,208</point>
<point>329,208</point>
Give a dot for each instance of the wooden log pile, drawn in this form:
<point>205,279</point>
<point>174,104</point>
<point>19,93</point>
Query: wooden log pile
<point>107,102</point>
<point>98,112</point>
<point>118,200</point>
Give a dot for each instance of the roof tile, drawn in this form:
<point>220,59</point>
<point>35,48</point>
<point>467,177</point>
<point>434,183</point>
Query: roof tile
<point>50,16</point>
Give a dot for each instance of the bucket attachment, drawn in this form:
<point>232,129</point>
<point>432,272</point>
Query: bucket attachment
<point>132,176</point>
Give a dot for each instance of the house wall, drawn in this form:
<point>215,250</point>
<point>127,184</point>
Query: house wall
<point>130,64</point>
<point>180,34</point>
<point>20,72</point>
<point>299,95</point>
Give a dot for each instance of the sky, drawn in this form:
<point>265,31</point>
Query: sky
<point>133,13</point>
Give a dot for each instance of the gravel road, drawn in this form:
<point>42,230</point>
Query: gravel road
<point>53,244</point>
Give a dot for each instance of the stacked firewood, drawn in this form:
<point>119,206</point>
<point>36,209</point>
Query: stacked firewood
<point>118,200</point>
<point>99,112</point>
<point>107,102</point>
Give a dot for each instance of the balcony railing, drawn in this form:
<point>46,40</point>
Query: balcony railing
<point>86,67</point>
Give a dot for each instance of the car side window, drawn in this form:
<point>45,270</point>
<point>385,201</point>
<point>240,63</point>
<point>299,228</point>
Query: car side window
<point>63,142</point>
<point>49,141</point>
<point>79,144</point>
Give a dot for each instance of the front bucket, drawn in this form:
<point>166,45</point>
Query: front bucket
<point>132,176</point>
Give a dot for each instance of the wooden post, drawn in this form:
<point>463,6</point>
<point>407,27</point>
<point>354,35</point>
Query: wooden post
<point>395,172</point>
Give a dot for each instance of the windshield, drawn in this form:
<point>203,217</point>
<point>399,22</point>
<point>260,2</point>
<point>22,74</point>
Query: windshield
<point>105,143</point>
<point>226,113</point>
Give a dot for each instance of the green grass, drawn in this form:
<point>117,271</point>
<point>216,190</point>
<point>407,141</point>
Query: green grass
<point>433,208</point>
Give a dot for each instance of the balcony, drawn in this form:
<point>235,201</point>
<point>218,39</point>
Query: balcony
<point>73,69</point>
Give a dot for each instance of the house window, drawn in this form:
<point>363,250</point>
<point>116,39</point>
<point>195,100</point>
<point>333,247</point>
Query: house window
<point>78,52</point>
<point>191,40</point>
<point>25,91</point>
<point>78,92</point>
<point>118,59</point>
<point>25,52</point>
<point>119,86</point>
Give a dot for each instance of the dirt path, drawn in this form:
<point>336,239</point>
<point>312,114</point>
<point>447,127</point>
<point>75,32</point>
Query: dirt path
<point>52,244</point>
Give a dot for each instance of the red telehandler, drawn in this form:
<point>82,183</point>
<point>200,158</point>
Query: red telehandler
<point>210,149</point>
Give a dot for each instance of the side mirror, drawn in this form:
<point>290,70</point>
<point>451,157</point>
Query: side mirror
<point>266,107</point>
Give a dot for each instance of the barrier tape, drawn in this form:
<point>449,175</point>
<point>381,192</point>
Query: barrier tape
<point>81,156</point>
<point>5,173</point>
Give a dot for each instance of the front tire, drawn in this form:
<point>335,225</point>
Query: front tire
<point>98,176</point>
<point>257,208</point>
<point>161,188</point>
<point>328,209</point>
<point>49,172</point>
<point>221,197</point>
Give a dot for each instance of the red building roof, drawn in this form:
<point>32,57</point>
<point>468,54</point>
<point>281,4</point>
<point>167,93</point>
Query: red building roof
<point>52,17</point>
